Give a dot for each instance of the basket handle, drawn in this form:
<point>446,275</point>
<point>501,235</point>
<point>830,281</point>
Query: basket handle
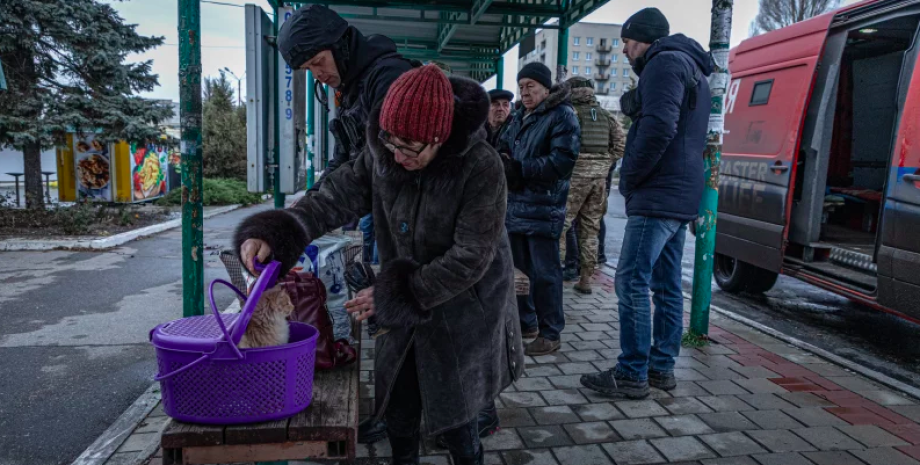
<point>220,321</point>
<point>180,370</point>
<point>267,278</point>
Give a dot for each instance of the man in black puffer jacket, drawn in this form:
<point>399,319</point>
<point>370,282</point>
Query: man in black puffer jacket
<point>662,181</point>
<point>359,68</point>
<point>540,147</point>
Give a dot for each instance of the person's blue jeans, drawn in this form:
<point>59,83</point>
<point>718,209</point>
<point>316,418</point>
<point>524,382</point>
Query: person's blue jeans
<point>366,225</point>
<point>650,259</point>
<point>538,258</point>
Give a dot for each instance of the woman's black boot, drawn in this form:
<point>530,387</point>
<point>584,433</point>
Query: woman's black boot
<point>405,449</point>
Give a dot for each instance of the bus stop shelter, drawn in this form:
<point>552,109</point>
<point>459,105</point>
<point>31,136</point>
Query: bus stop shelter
<point>469,36</point>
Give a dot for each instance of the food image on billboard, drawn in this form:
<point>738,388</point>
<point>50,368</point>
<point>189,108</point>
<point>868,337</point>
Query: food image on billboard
<point>93,168</point>
<point>148,176</point>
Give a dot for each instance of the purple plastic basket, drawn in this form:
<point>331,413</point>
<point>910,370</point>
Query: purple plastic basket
<point>205,378</point>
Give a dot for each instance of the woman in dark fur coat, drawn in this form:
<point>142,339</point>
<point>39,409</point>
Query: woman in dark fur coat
<point>445,291</point>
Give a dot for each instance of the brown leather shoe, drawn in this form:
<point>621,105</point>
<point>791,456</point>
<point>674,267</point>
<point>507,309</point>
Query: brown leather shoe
<point>541,346</point>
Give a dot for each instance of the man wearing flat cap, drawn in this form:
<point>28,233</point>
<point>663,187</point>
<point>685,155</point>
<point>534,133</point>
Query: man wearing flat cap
<point>499,113</point>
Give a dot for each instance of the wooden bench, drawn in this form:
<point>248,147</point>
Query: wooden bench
<point>327,429</point>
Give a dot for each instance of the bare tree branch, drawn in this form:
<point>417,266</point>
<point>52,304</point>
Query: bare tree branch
<point>776,14</point>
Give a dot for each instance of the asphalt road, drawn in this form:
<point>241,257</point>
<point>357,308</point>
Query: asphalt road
<point>74,351</point>
<point>869,337</point>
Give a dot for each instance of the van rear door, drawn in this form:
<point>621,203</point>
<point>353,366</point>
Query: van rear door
<point>899,254</point>
<point>772,81</point>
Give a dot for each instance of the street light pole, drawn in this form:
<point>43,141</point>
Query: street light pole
<point>239,86</point>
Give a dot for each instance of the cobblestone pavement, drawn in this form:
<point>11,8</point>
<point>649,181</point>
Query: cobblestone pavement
<point>746,399</point>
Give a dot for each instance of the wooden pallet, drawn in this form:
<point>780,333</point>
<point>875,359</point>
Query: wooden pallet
<point>327,429</point>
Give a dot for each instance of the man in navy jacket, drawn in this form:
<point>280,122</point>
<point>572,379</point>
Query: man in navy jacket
<point>662,181</point>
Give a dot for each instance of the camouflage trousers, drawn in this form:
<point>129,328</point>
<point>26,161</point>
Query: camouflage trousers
<point>587,203</point>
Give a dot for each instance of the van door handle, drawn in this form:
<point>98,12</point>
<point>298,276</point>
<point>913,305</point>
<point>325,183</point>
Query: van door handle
<point>911,177</point>
<point>779,168</point>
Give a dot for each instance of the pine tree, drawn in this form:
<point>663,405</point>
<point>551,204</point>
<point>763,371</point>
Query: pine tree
<point>224,131</point>
<point>66,70</point>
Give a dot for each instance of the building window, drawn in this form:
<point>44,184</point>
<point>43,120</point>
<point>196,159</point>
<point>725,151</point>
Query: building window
<point>616,42</point>
<point>625,72</point>
<point>587,70</point>
<point>614,58</point>
<point>587,57</point>
<point>574,55</point>
<point>603,42</point>
<point>574,70</point>
<point>613,86</point>
<point>589,41</point>
<point>576,40</point>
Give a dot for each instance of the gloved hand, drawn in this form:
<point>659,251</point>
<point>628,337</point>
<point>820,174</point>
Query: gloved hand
<point>514,173</point>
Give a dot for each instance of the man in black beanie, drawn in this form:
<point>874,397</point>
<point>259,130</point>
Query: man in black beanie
<point>662,181</point>
<point>539,150</point>
<point>360,68</point>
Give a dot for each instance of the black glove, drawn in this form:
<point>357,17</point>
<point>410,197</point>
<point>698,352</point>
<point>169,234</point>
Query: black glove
<point>514,173</point>
<point>631,104</point>
<point>359,276</point>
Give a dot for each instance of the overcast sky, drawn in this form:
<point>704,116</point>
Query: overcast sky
<point>223,32</point>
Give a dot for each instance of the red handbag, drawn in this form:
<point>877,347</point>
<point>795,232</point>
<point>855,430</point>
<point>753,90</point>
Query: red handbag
<point>308,294</point>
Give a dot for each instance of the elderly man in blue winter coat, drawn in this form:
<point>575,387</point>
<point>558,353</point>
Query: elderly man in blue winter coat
<point>662,182</point>
<point>539,150</point>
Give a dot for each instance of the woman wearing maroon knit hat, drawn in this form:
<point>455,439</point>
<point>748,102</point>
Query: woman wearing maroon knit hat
<point>445,292</point>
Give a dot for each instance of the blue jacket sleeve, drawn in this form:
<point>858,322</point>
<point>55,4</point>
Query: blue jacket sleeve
<point>662,91</point>
<point>564,144</point>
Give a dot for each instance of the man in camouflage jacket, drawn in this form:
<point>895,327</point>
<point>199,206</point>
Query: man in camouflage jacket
<point>602,144</point>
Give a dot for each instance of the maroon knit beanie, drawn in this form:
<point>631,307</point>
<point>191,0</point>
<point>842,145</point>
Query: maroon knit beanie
<point>419,106</point>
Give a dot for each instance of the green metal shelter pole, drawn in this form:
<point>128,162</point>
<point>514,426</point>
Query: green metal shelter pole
<point>719,37</point>
<point>311,120</point>
<point>2,78</point>
<point>276,170</point>
<point>563,53</point>
<point>499,72</point>
<point>190,121</point>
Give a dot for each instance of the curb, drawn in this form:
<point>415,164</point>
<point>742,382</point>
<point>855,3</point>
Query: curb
<point>808,347</point>
<point>827,355</point>
<point>105,242</point>
<point>105,446</point>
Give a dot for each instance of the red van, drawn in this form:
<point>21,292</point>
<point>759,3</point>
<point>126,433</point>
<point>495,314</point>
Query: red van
<point>820,174</point>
